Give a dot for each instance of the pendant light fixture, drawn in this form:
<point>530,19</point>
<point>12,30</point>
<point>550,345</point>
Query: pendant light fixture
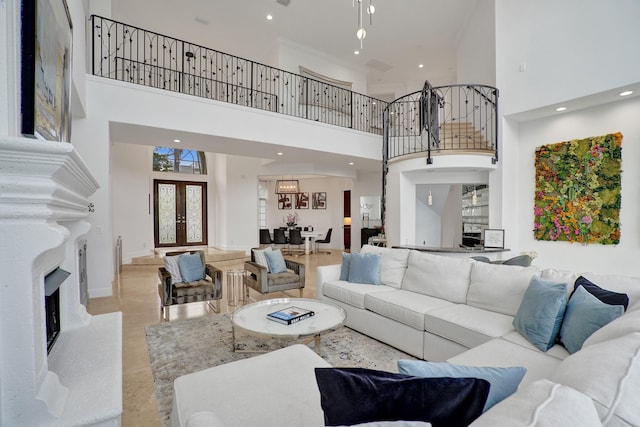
<point>430,199</point>
<point>361,33</point>
<point>287,186</point>
<point>474,197</point>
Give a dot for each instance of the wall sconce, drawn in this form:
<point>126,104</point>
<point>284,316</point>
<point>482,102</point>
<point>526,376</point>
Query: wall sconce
<point>287,186</point>
<point>347,221</point>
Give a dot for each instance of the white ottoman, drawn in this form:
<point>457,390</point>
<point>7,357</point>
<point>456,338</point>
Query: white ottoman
<point>271,390</point>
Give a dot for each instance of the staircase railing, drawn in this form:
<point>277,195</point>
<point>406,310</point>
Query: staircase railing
<point>452,119</point>
<point>131,54</point>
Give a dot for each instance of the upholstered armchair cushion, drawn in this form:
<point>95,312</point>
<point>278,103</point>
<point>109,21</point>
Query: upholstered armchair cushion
<point>208,288</point>
<point>260,280</point>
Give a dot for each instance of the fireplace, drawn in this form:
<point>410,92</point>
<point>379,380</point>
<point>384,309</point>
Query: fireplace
<point>52,282</point>
<point>58,364</point>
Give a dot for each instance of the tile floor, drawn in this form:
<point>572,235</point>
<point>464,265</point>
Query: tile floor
<point>135,294</point>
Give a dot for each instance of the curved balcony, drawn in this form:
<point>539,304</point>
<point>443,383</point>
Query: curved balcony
<point>454,119</point>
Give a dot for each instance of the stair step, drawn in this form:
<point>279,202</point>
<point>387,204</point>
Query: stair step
<point>211,256</point>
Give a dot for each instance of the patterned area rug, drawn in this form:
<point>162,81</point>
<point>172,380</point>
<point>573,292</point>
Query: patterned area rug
<point>186,346</point>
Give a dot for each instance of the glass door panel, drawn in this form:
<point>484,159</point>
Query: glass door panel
<point>166,214</point>
<point>193,207</point>
<point>180,213</point>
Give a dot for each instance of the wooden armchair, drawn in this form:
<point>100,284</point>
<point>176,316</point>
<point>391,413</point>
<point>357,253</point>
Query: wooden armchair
<point>260,280</point>
<point>208,289</point>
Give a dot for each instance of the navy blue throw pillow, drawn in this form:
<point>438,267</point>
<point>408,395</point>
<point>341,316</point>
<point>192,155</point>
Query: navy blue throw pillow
<point>356,395</point>
<point>607,297</point>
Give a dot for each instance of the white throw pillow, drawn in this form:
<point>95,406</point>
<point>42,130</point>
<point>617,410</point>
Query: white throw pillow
<point>260,257</point>
<point>393,263</point>
<point>609,373</point>
<point>497,287</point>
<point>438,276</point>
<point>172,266</point>
<point>542,404</point>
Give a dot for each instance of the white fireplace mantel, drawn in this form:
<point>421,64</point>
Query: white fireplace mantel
<point>44,197</point>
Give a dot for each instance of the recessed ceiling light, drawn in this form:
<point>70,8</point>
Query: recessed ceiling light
<point>269,17</point>
<point>420,65</point>
<point>279,154</point>
<point>351,163</point>
<point>626,93</point>
<point>561,108</point>
<point>176,140</point>
<point>356,52</point>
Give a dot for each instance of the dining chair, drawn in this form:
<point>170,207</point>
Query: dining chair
<point>327,239</point>
<point>279,237</point>
<point>265,237</point>
<point>295,238</point>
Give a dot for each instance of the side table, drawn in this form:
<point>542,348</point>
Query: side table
<point>236,287</point>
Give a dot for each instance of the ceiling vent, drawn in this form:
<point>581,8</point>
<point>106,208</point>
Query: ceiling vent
<point>378,65</point>
<point>285,3</point>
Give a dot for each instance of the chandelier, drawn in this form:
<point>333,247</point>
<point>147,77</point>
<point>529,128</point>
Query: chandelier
<point>287,186</point>
<point>361,33</point>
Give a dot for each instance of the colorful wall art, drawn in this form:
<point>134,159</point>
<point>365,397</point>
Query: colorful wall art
<point>577,196</point>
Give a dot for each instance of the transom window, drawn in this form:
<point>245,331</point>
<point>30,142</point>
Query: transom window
<point>179,160</point>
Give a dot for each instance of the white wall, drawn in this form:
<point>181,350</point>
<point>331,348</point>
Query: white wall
<point>617,117</point>
<point>130,185</point>
<point>571,48</point>
<point>78,90</point>
<point>477,50</point>
<point>292,55</point>
<point>428,222</point>
<point>452,218</point>
<point>365,185</point>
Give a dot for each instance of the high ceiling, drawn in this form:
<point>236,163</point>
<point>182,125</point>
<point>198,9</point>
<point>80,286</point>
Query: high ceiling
<point>404,34</point>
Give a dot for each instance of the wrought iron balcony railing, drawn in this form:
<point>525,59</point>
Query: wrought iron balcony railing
<point>447,119</point>
<point>131,54</point>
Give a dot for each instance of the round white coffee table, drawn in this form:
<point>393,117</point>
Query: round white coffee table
<point>252,318</point>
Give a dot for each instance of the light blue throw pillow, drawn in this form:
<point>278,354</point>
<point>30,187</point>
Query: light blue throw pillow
<point>275,261</point>
<point>541,312</point>
<point>191,267</point>
<point>585,314</point>
<point>344,268</point>
<point>504,381</point>
<point>365,268</point>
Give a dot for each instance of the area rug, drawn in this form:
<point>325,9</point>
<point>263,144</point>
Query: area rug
<point>186,346</point>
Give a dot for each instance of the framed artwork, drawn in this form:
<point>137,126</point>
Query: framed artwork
<point>319,200</point>
<point>46,70</point>
<point>284,201</point>
<point>493,238</point>
<point>302,201</point>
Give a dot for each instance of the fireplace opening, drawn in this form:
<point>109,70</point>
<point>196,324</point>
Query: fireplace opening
<point>52,282</point>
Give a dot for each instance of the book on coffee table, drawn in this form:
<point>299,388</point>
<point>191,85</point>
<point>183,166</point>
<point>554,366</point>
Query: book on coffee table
<point>290,315</point>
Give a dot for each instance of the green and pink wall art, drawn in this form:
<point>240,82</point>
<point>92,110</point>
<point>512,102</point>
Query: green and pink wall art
<point>577,195</point>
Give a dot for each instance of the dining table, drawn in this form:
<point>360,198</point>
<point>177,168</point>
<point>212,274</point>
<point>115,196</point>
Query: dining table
<point>308,237</point>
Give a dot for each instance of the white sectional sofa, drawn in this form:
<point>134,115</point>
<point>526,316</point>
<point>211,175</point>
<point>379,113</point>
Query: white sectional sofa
<point>441,308</point>
<point>458,310</point>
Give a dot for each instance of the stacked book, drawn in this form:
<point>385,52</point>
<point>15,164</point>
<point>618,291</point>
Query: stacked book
<point>290,315</point>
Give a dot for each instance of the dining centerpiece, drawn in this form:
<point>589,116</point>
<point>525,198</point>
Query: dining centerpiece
<point>292,219</point>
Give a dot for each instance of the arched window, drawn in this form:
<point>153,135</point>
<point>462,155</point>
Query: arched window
<point>179,160</point>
